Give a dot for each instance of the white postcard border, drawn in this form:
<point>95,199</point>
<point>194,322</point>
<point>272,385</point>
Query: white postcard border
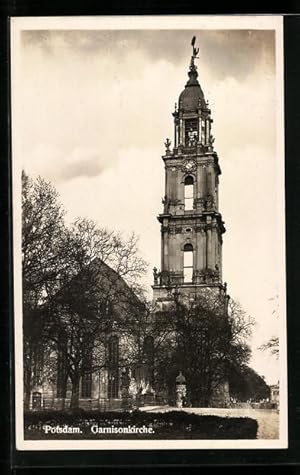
<point>129,23</point>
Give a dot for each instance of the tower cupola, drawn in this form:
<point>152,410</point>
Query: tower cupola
<point>192,96</point>
<point>192,118</point>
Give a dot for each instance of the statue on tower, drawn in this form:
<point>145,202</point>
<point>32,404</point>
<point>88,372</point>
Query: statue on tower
<point>167,145</point>
<point>156,275</point>
<point>195,52</point>
<point>211,141</point>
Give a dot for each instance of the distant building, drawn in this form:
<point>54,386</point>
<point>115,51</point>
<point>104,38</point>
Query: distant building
<point>274,394</point>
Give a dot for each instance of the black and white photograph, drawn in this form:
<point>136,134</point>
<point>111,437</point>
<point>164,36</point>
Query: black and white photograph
<point>149,232</point>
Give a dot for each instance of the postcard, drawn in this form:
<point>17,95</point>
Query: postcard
<point>149,232</point>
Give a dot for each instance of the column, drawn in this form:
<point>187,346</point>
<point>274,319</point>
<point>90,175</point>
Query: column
<point>198,183</point>
<point>205,180</point>
<point>180,186</point>
<point>172,252</point>
<point>204,250</point>
<point>209,249</point>
<point>206,131</point>
<point>217,249</point>
<point>213,248</point>
<point>203,131</point>
<point>162,249</point>
<point>217,191</point>
<point>210,179</point>
<point>200,254</point>
<point>171,176</point>
<point>220,257</point>
<point>180,132</point>
<point>177,253</point>
<point>201,182</point>
<point>166,248</point>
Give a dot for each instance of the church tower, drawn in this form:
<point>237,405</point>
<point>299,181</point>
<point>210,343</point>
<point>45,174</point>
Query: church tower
<point>191,224</point>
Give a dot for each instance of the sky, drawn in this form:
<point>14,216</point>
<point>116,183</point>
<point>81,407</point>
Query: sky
<point>94,109</point>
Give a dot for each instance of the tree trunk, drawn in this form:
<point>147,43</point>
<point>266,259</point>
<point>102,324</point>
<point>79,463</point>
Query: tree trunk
<point>74,404</point>
<point>206,400</point>
<point>208,394</point>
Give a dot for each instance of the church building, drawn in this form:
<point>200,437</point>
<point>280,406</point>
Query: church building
<point>191,263</point>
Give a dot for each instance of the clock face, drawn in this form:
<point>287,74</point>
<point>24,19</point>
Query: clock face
<point>189,165</point>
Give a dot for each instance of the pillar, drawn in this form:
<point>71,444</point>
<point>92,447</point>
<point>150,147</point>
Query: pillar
<point>209,248</point>
<point>213,248</point>
<point>165,252</point>
<point>181,132</point>
<point>199,265</point>
<point>204,250</point>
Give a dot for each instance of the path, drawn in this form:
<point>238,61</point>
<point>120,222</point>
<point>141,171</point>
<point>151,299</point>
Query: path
<point>267,419</point>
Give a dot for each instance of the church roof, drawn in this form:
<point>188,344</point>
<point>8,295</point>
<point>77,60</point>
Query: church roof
<point>192,96</point>
<point>103,281</point>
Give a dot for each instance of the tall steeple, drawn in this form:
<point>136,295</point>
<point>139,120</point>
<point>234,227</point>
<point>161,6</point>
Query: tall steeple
<point>191,224</point>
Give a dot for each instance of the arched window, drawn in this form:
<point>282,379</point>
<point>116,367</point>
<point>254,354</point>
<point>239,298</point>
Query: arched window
<point>113,351</point>
<point>113,367</point>
<point>188,263</point>
<point>188,192</point>
<point>38,361</point>
<point>191,131</point>
<point>86,381</point>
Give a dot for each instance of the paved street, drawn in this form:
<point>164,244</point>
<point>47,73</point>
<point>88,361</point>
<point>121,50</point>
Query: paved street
<point>268,419</point>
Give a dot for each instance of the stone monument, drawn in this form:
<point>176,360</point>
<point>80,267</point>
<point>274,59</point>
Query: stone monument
<point>180,390</point>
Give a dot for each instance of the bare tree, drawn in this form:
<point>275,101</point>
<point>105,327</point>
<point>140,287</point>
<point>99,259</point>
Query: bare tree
<point>207,337</point>
<point>272,345</point>
<point>42,231</point>
<point>80,284</point>
<point>97,298</point>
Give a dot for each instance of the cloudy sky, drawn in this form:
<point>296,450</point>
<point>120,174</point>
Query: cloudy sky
<point>94,109</point>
